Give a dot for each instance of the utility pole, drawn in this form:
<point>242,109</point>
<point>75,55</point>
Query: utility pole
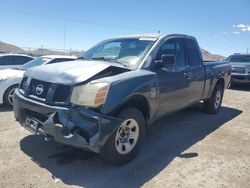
<point>42,49</point>
<point>247,50</point>
<point>64,36</point>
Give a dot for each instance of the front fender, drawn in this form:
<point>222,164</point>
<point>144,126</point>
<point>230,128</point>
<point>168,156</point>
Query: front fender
<point>136,83</point>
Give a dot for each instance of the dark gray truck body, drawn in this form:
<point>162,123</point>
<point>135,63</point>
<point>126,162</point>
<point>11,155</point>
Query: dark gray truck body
<point>155,91</point>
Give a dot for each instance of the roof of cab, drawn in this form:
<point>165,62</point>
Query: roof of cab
<point>146,35</point>
<point>154,35</point>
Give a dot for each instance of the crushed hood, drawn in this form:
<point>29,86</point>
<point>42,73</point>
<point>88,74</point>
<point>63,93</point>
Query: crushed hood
<point>10,73</point>
<point>72,72</point>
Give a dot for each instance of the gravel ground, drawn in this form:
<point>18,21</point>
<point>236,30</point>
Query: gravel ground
<point>187,149</point>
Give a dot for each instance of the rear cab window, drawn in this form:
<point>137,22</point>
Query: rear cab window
<point>192,52</point>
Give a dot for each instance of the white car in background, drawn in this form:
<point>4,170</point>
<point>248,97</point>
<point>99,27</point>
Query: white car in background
<point>12,61</point>
<point>11,78</point>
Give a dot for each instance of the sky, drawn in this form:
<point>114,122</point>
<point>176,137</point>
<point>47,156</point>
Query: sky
<point>220,26</point>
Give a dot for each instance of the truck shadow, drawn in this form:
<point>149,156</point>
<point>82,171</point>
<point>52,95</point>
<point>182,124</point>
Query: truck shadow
<point>240,87</point>
<point>4,108</point>
<point>166,140</point>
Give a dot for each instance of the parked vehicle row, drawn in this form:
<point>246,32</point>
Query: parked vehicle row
<point>104,101</point>
<point>11,78</point>
<point>240,68</point>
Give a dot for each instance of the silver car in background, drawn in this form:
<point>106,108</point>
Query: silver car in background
<point>240,68</point>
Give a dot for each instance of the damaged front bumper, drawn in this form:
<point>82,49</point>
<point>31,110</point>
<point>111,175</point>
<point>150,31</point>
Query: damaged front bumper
<point>78,127</point>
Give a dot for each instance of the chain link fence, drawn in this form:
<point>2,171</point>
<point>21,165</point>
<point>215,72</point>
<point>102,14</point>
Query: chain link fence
<point>48,51</point>
<point>9,48</point>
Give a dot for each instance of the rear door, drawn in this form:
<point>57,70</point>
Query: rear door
<point>6,62</point>
<point>196,70</point>
<point>173,84</point>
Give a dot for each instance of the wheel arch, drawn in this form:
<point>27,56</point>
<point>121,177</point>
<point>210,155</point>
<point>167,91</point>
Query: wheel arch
<point>138,101</point>
<point>221,82</point>
<point>213,84</point>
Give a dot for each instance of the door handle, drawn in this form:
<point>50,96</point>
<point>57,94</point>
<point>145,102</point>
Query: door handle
<point>187,75</point>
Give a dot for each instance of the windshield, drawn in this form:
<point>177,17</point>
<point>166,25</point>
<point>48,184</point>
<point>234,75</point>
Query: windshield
<point>35,62</point>
<point>240,58</point>
<point>127,52</point>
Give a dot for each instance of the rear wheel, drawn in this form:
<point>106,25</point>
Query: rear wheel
<point>126,140</point>
<point>9,95</point>
<point>212,105</point>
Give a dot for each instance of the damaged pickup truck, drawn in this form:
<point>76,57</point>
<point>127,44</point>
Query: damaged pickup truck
<point>104,101</point>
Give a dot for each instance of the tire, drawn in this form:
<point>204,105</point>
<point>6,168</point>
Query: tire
<point>122,147</point>
<point>212,105</point>
<point>8,96</point>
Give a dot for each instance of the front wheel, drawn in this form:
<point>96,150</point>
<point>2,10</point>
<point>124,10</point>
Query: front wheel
<point>126,140</point>
<point>212,105</point>
<point>9,95</point>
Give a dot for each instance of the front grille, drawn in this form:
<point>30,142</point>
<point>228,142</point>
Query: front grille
<point>62,93</point>
<point>39,88</point>
<point>45,91</point>
<point>240,70</point>
<point>24,84</point>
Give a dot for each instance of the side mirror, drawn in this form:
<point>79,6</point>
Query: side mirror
<point>167,60</point>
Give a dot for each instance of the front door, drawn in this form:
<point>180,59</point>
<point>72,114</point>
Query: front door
<point>173,81</point>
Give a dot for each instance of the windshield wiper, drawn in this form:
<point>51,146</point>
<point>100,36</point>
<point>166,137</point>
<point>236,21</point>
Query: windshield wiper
<point>108,60</point>
<point>82,58</point>
<point>100,58</point>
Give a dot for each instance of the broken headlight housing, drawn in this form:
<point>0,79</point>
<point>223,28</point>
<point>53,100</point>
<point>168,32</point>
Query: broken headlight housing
<point>92,94</point>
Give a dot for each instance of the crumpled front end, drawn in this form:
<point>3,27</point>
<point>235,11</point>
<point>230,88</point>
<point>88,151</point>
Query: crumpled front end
<point>77,127</point>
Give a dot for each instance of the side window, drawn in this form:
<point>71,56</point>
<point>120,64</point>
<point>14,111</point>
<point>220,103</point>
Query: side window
<point>193,52</point>
<point>173,47</point>
<point>6,60</point>
<point>20,60</point>
<point>58,60</point>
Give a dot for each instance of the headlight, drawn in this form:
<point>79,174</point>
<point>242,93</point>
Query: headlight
<point>92,94</point>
